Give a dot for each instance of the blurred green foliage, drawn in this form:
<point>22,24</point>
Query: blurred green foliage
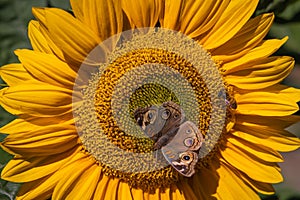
<point>287,23</point>
<point>15,15</point>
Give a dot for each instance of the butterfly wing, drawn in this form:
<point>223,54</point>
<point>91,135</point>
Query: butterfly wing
<point>178,139</point>
<point>150,119</point>
<point>181,151</point>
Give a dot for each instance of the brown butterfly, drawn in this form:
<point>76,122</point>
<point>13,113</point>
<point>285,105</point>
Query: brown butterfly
<point>178,139</point>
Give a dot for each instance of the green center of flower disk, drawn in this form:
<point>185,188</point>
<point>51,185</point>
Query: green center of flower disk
<point>150,68</point>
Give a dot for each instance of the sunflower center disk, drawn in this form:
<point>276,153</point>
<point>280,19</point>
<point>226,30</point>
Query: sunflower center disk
<point>146,69</point>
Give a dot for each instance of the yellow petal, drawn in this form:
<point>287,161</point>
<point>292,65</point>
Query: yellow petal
<point>41,41</point>
<point>273,101</point>
<point>229,182</point>
<point>277,139</point>
<point>36,99</point>
<point>33,168</point>
<point>102,187</point>
<point>254,167</point>
<point>75,39</point>
<point>153,195</point>
<point>175,193</point>
<point>209,176</point>
<point>192,17</point>
<point>262,51</point>
<point>124,191</point>
<point>213,16</point>
<point>198,14</point>
<point>39,131</point>
<point>37,40</point>
<point>272,121</point>
<point>170,193</point>
<point>164,194</point>
<point>14,74</point>
<point>251,34</point>
<point>230,22</point>
<point>142,14</point>
<point>47,68</point>
<point>77,8</point>
<point>289,92</point>
<point>39,189</point>
<point>189,17</point>
<point>29,123</point>
<point>186,190</point>
<point>42,142</point>
<point>18,126</point>
<point>140,194</point>
<point>262,74</point>
<point>112,189</point>
<point>71,174</point>
<point>261,187</point>
<point>259,151</point>
<point>104,17</point>
<point>85,185</point>
<point>172,14</point>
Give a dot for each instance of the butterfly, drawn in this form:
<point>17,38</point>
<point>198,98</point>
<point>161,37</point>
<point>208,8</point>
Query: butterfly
<point>178,139</point>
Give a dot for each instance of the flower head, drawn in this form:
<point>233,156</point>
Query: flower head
<point>148,99</point>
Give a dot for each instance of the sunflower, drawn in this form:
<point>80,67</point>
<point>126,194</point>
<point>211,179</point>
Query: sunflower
<point>77,92</point>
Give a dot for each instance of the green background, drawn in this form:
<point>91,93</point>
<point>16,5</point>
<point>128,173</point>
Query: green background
<point>14,18</point>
